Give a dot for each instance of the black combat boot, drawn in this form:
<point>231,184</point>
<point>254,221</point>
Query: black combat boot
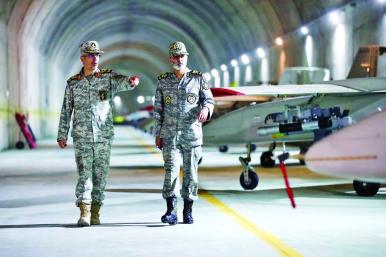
<point>171,213</point>
<point>187,213</point>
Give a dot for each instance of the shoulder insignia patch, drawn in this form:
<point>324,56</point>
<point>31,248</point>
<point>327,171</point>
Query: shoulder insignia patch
<point>195,73</point>
<point>106,71</point>
<point>163,75</point>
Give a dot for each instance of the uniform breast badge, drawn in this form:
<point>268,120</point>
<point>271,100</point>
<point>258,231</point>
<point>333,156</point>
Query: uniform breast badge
<point>191,98</point>
<point>168,99</point>
<point>102,95</point>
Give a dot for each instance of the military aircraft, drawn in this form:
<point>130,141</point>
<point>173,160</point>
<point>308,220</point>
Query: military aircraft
<point>297,114</point>
<point>290,76</point>
<point>356,152</point>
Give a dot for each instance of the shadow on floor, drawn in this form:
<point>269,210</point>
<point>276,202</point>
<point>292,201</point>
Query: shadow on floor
<point>337,191</point>
<point>115,224</point>
<point>134,190</point>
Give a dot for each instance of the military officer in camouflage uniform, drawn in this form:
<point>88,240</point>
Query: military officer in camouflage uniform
<point>183,101</point>
<point>88,98</point>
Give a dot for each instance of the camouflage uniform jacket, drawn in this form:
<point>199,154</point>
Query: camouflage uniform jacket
<point>177,104</point>
<point>90,99</point>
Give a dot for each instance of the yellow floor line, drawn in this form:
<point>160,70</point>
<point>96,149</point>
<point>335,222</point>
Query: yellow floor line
<point>149,147</point>
<point>283,249</point>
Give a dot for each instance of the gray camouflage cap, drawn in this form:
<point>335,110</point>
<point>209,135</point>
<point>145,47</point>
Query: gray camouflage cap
<point>90,47</point>
<point>177,48</point>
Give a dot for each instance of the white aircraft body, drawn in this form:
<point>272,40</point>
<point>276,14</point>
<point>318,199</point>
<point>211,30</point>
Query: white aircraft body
<point>296,114</point>
<point>357,152</point>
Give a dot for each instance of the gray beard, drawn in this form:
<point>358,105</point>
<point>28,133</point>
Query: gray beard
<point>178,67</point>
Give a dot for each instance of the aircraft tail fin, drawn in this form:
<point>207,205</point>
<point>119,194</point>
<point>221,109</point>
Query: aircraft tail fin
<point>366,61</point>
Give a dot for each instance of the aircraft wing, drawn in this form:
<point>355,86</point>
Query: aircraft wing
<point>266,93</point>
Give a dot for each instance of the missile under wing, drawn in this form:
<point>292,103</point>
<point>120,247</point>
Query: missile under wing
<point>357,152</point>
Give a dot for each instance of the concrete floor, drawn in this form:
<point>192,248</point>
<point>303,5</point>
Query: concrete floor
<point>38,215</point>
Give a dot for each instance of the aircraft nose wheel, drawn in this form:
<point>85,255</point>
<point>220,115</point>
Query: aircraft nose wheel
<point>248,178</point>
<point>251,180</point>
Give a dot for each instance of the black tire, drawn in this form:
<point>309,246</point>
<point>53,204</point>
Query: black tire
<point>266,160</point>
<point>252,182</point>
<point>20,145</point>
<point>223,148</point>
<point>366,188</point>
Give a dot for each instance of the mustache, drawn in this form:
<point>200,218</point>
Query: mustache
<point>178,66</point>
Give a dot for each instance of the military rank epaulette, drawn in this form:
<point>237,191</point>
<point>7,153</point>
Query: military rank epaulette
<point>164,75</point>
<point>106,71</point>
<point>194,73</point>
<point>75,77</point>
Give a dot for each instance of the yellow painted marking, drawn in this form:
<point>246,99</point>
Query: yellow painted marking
<point>279,246</point>
<point>297,156</point>
<point>10,111</point>
<point>150,148</point>
<point>282,248</point>
<point>343,158</point>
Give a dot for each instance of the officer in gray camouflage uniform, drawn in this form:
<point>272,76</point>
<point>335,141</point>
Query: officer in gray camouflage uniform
<point>89,97</point>
<point>183,101</point>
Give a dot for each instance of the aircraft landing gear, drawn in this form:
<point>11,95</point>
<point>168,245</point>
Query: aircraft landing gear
<point>366,188</point>
<point>266,160</point>
<point>248,178</point>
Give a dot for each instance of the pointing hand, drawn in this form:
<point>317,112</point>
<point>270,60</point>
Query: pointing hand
<point>134,81</point>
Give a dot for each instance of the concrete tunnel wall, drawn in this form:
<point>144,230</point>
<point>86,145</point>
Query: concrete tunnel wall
<point>39,48</point>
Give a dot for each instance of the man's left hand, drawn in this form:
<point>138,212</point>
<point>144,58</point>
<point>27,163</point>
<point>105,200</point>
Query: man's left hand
<point>134,81</point>
<point>203,114</point>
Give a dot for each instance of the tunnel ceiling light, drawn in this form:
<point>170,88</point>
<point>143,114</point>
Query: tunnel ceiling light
<point>260,52</point>
<point>224,67</point>
<point>381,1</point>
<point>279,41</point>
<point>245,59</point>
<point>207,76</point>
<point>140,99</point>
<point>304,30</point>
<point>214,72</point>
<point>117,100</point>
<point>334,18</point>
<point>234,63</point>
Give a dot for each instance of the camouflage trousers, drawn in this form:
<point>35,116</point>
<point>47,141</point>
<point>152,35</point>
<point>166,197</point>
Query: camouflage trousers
<point>190,156</point>
<point>93,161</point>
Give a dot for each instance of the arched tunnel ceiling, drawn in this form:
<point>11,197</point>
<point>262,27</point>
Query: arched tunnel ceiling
<point>135,34</point>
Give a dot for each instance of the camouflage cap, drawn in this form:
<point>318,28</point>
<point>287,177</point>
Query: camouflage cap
<point>177,48</point>
<point>90,47</point>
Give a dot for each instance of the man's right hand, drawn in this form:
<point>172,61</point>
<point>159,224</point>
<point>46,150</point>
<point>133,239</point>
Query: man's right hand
<point>62,143</point>
<point>158,142</point>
